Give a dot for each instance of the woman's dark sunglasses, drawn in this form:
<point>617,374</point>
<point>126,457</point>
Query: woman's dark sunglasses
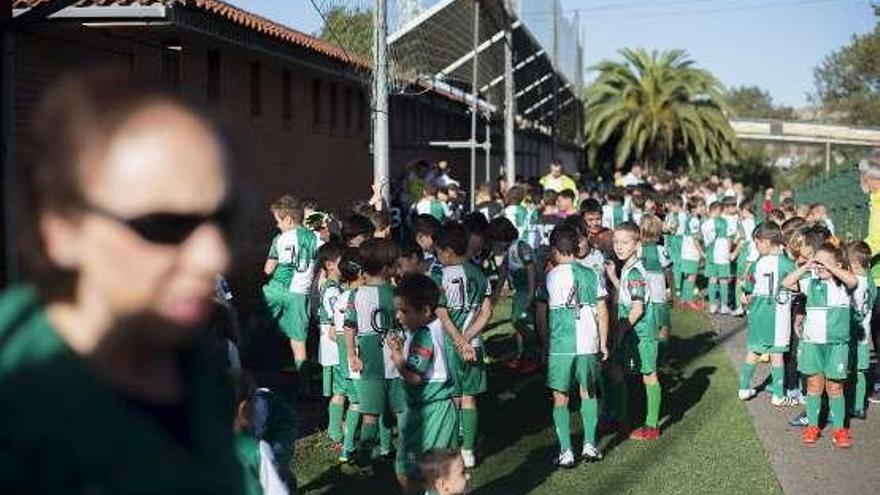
<point>171,228</point>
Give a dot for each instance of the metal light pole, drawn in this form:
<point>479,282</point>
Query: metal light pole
<point>474,103</point>
<point>509,101</point>
<point>380,98</point>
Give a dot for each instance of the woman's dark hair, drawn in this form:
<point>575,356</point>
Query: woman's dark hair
<point>75,122</point>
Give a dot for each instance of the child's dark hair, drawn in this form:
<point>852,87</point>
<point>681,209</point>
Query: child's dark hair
<point>590,205</point>
<point>549,197</point>
<point>578,223</point>
<point>356,225</point>
<point>376,255</point>
<point>564,239</point>
<point>436,464</point>
<point>769,231</point>
<point>815,236</point>
<point>501,230</point>
<point>453,236</point>
<point>349,265</point>
<point>329,252</point>
<point>426,225</point>
<point>630,227</point>
<point>419,291</point>
<point>776,215</point>
<point>615,195</point>
<point>515,195</point>
<point>675,200</point>
<point>693,205</point>
<point>409,249</point>
<point>791,226</point>
<point>567,194</point>
<point>380,220</point>
<point>430,190</point>
<point>859,254</point>
<point>475,223</point>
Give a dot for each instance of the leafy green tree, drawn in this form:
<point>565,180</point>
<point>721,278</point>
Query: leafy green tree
<point>848,81</point>
<point>352,29</point>
<point>756,103</point>
<point>657,109</point>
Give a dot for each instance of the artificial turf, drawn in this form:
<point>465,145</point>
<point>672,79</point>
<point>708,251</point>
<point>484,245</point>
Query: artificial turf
<point>708,444</point>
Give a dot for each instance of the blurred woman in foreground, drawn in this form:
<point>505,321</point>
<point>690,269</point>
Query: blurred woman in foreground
<point>105,381</point>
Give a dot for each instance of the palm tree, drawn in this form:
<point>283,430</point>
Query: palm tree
<point>657,109</point>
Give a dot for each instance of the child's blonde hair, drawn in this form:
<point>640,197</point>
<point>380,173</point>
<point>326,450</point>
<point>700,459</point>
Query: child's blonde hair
<point>652,229</point>
<point>859,254</point>
<point>288,206</point>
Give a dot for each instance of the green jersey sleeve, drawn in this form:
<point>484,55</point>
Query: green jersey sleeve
<point>351,318</point>
<point>421,352</point>
<point>636,285</point>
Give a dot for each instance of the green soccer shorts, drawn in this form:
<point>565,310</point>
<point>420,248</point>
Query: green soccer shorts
<point>690,267</point>
<point>718,270</point>
<point>289,310</point>
<point>469,378</point>
<point>423,428</point>
<point>395,392</point>
<point>759,339</point>
<point>334,382</point>
<point>661,312</point>
<point>638,355</point>
<point>831,360</point>
<point>565,372</point>
<point>860,354</point>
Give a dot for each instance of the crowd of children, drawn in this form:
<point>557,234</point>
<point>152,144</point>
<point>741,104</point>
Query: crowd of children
<point>591,276</point>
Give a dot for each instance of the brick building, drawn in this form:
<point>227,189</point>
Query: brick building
<point>296,108</point>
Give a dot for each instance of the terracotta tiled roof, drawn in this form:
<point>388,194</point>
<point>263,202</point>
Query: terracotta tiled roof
<point>232,14</point>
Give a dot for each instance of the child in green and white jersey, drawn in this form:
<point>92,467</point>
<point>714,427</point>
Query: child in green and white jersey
<point>517,212</point>
<point>290,264</point>
<point>578,322</point>
<point>656,260</point>
<point>768,305</point>
<point>350,277</point>
<point>638,324</point>
<point>430,420</point>
<point>465,309</point>
<point>518,268</point>
<point>716,239</point>
<point>823,355</point>
<point>864,297</point>
<point>328,351</point>
<point>691,252</point>
<point>614,212</point>
<point>368,320</point>
<point>746,253</point>
<point>429,204</point>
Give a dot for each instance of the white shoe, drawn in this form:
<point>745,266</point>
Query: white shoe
<point>713,308</point>
<point>738,312</point>
<point>565,459</point>
<point>590,453</point>
<point>783,402</point>
<point>747,394</point>
<point>468,457</point>
<point>724,310</point>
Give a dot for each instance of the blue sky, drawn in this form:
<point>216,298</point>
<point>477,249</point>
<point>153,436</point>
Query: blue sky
<point>770,43</point>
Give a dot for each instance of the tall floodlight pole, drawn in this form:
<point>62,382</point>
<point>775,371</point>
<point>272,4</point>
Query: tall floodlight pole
<point>474,103</point>
<point>555,64</point>
<point>380,98</point>
<point>509,100</point>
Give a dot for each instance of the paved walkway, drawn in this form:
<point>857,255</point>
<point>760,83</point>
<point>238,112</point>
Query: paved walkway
<point>821,470</point>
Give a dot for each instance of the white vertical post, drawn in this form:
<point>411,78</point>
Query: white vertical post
<point>487,146</point>
<point>474,95</point>
<point>509,101</point>
<point>828,156</point>
<point>380,98</point>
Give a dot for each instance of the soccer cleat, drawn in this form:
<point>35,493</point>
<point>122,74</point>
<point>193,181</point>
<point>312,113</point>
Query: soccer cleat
<point>345,457</point>
<point>565,459</point>
<point>874,398</point>
<point>799,421</point>
<point>645,433</point>
<point>840,438</point>
<point>590,453</point>
<point>747,394</point>
<point>713,308</point>
<point>783,401</point>
<point>811,435</point>
<point>468,457</point>
<point>724,310</point>
<point>738,312</point>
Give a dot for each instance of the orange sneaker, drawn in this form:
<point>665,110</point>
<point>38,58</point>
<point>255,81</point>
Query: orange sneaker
<point>841,439</point>
<point>811,435</point>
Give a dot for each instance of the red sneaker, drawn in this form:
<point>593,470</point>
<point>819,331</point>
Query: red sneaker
<point>840,438</point>
<point>645,433</point>
<point>811,435</point>
<point>514,363</point>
